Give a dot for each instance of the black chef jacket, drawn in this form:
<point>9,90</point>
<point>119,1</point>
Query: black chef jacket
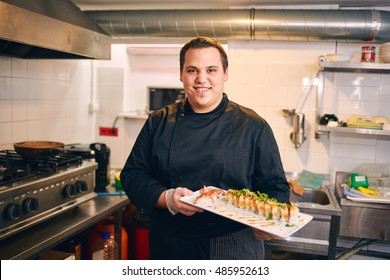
<point>229,147</point>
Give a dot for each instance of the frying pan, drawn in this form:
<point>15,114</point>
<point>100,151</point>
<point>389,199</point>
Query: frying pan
<point>39,149</point>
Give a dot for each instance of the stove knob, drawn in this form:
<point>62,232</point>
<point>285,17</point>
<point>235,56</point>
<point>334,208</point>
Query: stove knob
<point>30,205</point>
<point>70,190</point>
<point>13,211</point>
<point>81,186</point>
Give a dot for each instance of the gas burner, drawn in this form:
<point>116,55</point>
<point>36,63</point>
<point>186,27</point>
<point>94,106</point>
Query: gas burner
<point>32,191</point>
<point>14,167</point>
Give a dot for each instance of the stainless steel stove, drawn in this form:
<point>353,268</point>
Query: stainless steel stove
<point>32,191</point>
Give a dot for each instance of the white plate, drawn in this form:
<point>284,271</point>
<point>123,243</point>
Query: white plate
<point>249,218</point>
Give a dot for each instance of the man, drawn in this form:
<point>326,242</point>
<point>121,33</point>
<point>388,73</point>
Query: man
<point>205,140</point>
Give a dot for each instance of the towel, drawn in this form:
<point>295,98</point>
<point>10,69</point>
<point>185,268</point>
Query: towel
<point>310,180</point>
<point>299,190</point>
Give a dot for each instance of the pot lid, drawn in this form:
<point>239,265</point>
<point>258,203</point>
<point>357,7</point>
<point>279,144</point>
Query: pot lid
<point>82,150</point>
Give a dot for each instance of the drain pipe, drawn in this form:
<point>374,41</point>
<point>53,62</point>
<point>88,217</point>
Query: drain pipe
<point>248,24</point>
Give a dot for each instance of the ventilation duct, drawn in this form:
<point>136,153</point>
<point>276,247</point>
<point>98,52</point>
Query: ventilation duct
<point>50,29</point>
<point>248,24</point>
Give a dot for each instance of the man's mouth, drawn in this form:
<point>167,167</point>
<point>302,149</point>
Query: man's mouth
<point>202,89</point>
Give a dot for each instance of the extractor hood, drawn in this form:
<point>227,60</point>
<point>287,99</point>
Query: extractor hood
<point>50,29</point>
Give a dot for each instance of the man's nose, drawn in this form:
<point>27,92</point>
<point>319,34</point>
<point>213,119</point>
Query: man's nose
<point>201,77</point>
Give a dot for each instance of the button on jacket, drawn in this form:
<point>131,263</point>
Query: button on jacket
<point>229,147</point>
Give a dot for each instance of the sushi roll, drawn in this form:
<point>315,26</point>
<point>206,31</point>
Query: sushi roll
<point>268,210</point>
<point>260,204</point>
<point>293,214</point>
<point>275,210</point>
<point>284,212</point>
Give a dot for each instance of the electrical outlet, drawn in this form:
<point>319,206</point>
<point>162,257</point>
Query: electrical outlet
<point>108,131</point>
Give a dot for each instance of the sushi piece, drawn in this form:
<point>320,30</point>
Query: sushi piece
<point>293,214</point>
<point>276,211</point>
<point>284,212</point>
<point>203,199</point>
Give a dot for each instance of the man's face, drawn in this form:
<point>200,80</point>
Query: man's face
<point>203,78</point>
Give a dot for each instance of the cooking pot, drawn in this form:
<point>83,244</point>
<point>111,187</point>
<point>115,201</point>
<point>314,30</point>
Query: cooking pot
<point>38,149</point>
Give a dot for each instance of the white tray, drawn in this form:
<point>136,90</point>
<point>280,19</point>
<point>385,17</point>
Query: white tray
<point>369,200</point>
<point>247,217</point>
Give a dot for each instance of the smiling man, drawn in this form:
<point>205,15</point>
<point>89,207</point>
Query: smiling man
<point>206,140</point>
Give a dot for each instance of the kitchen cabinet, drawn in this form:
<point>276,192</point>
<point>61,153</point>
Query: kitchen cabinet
<point>31,242</point>
<point>346,67</point>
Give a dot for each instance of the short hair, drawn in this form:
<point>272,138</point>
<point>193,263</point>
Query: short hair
<point>203,42</point>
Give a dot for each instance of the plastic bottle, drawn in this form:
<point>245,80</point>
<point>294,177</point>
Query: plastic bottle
<point>105,248</point>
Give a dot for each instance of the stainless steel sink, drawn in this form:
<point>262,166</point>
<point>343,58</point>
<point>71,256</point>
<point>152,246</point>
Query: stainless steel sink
<point>320,235</point>
<point>311,198</point>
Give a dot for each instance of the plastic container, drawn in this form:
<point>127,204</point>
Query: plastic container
<point>105,248</point>
<point>368,54</point>
<point>107,225</point>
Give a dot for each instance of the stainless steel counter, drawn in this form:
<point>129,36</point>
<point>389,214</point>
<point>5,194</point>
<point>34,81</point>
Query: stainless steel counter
<point>361,219</point>
<point>48,234</point>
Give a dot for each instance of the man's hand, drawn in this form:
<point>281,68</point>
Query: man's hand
<point>175,206</point>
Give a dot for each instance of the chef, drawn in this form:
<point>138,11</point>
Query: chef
<point>206,140</point>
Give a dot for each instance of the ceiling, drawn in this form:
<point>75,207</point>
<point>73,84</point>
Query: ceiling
<point>221,4</point>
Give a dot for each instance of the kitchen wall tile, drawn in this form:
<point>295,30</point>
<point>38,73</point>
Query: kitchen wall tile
<point>354,79</point>
<point>19,68</point>
<point>38,129</point>
<point>34,89</point>
<point>19,88</point>
<point>277,74</point>
<point>382,154</point>
<point>5,87</point>
<point>254,95</point>
<point>48,89</point>
<point>299,72</point>
<point>253,73</point>
<point>61,72</point>
<point>19,110</point>
<point>19,131</point>
<point>34,69</point>
<point>293,95</point>
<point>34,109</point>
<point>237,75</point>
<point>6,133</point>
<point>353,139</point>
<point>319,163</point>
<point>385,85</point>
<point>5,111</point>
<point>294,161</point>
<point>5,66</point>
<point>354,93</point>
<point>348,108</point>
<point>359,152</point>
<point>384,106</point>
<point>48,66</point>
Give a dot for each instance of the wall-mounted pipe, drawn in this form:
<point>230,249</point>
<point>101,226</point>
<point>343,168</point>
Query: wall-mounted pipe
<point>248,24</point>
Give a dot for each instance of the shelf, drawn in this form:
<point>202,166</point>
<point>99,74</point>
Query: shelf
<point>353,130</point>
<point>45,235</point>
<point>355,67</point>
<point>346,67</point>
<point>132,115</point>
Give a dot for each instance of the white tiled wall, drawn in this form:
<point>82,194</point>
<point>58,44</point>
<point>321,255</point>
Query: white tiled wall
<point>45,100</point>
<point>48,99</point>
